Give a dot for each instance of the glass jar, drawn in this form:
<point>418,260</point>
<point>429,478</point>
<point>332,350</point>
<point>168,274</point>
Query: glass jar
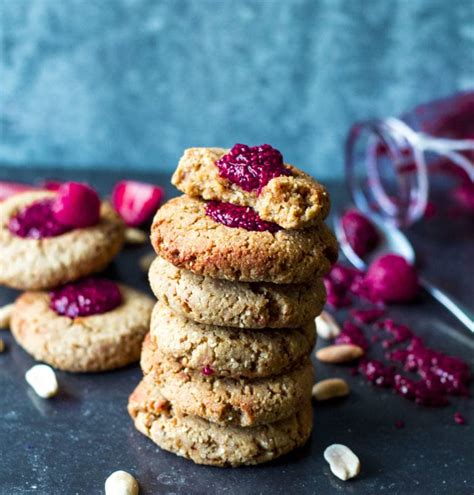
<point>390,162</point>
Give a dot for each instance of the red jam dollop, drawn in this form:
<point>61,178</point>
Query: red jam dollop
<point>37,221</point>
<point>76,205</point>
<point>235,216</point>
<point>390,278</point>
<point>252,167</point>
<point>86,297</point>
<point>360,232</point>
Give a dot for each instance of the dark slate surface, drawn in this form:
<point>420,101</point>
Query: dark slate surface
<point>129,83</point>
<point>70,444</point>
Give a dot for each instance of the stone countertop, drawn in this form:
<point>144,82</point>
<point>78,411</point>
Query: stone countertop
<point>70,444</point>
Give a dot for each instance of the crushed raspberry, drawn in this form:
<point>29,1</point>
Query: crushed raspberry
<point>377,372</point>
<point>352,334</point>
<point>367,315</point>
<point>136,202</point>
<point>390,278</point>
<point>252,167</point>
<point>86,297</point>
<point>77,205</point>
<point>359,232</point>
<point>37,221</point>
<point>207,370</point>
<point>235,216</point>
<point>459,418</point>
<point>339,282</point>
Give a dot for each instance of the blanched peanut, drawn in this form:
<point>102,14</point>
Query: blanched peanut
<point>5,315</point>
<point>343,462</point>
<point>330,388</point>
<point>342,353</point>
<point>326,326</point>
<point>135,236</point>
<point>43,380</point>
<point>121,483</point>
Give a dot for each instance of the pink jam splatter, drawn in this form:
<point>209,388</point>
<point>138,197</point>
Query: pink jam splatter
<point>459,418</point>
<point>390,278</point>
<point>207,370</point>
<point>252,167</point>
<point>360,232</point>
<point>37,221</point>
<point>86,297</point>
<point>238,217</point>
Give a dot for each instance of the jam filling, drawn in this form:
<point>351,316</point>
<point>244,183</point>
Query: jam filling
<point>86,297</point>
<point>37,221</point>
<point>235,216</point>
<point>252,167</point>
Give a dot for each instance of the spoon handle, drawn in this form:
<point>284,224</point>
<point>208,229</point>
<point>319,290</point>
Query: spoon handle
<point>458,310</point>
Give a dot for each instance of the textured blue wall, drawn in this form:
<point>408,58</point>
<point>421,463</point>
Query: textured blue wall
<point>131,83</point>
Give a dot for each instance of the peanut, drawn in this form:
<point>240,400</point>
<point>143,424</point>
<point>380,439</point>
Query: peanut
<point>5,315</point>
<point>135,236</point>
<point>121,483</point>
<point>342,353</point>
<point>43,380</point>
<point>326,326</point>
<point>146,260</point>
<point>2,345</point>
<point>330,388</point>
<point>343,462</point>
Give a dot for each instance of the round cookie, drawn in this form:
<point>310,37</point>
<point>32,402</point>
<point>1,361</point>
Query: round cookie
<point>293,201</point>
<point>229,401</point>
<point>34,264</point>
<point>228,352</point>
<point>209,443</point>
<point>83,344</point>
<point>185,236</point>
<point>235,304</point>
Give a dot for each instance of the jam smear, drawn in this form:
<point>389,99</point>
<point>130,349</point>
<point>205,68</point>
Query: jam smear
<point>235,216</point>
<point>86,297</point>
<point>360,232</point>
<point>252,167</point>
<point>37,221</point>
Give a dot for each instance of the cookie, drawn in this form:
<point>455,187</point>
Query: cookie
<point>235,304</point>
<point>33,264</point>
<point>228,352</point>
<point>83,344</point>
<point>293,200</point>
<point>185,236</point>
<point>209,443</point>
<point>228,401</point>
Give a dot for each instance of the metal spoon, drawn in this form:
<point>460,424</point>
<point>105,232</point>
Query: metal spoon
<point>394,241</point>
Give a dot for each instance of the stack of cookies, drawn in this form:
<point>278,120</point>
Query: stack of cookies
<point>238,278</point>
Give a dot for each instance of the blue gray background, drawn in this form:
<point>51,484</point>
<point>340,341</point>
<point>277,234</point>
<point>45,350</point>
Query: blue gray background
<point>130,83</point>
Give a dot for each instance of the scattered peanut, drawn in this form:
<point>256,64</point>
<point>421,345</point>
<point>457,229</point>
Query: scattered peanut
<point>330,388</point>
<point>342,353</point>
<point>43,380</point>
<point>5,315</point>
<point>146,260</point>
<point>343,462</point>
<point>326,326</point>
<point>121,483</point>
<point>135,236</point>
<point>2,345</point>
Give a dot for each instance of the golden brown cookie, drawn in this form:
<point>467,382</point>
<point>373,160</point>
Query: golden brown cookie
<point>32,264</point>
<point>210,443</point>
<point>294,201</point>
<point>228,401</point>
<point>235,304</point>
<point>83,344</point>
<point>185,236</point>
<point>228,352</point>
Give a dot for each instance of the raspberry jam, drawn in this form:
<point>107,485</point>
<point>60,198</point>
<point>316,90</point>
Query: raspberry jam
<point>252,167</point>
<point>86,297</point>
<point>238,217</point>
<point>37,221</point>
